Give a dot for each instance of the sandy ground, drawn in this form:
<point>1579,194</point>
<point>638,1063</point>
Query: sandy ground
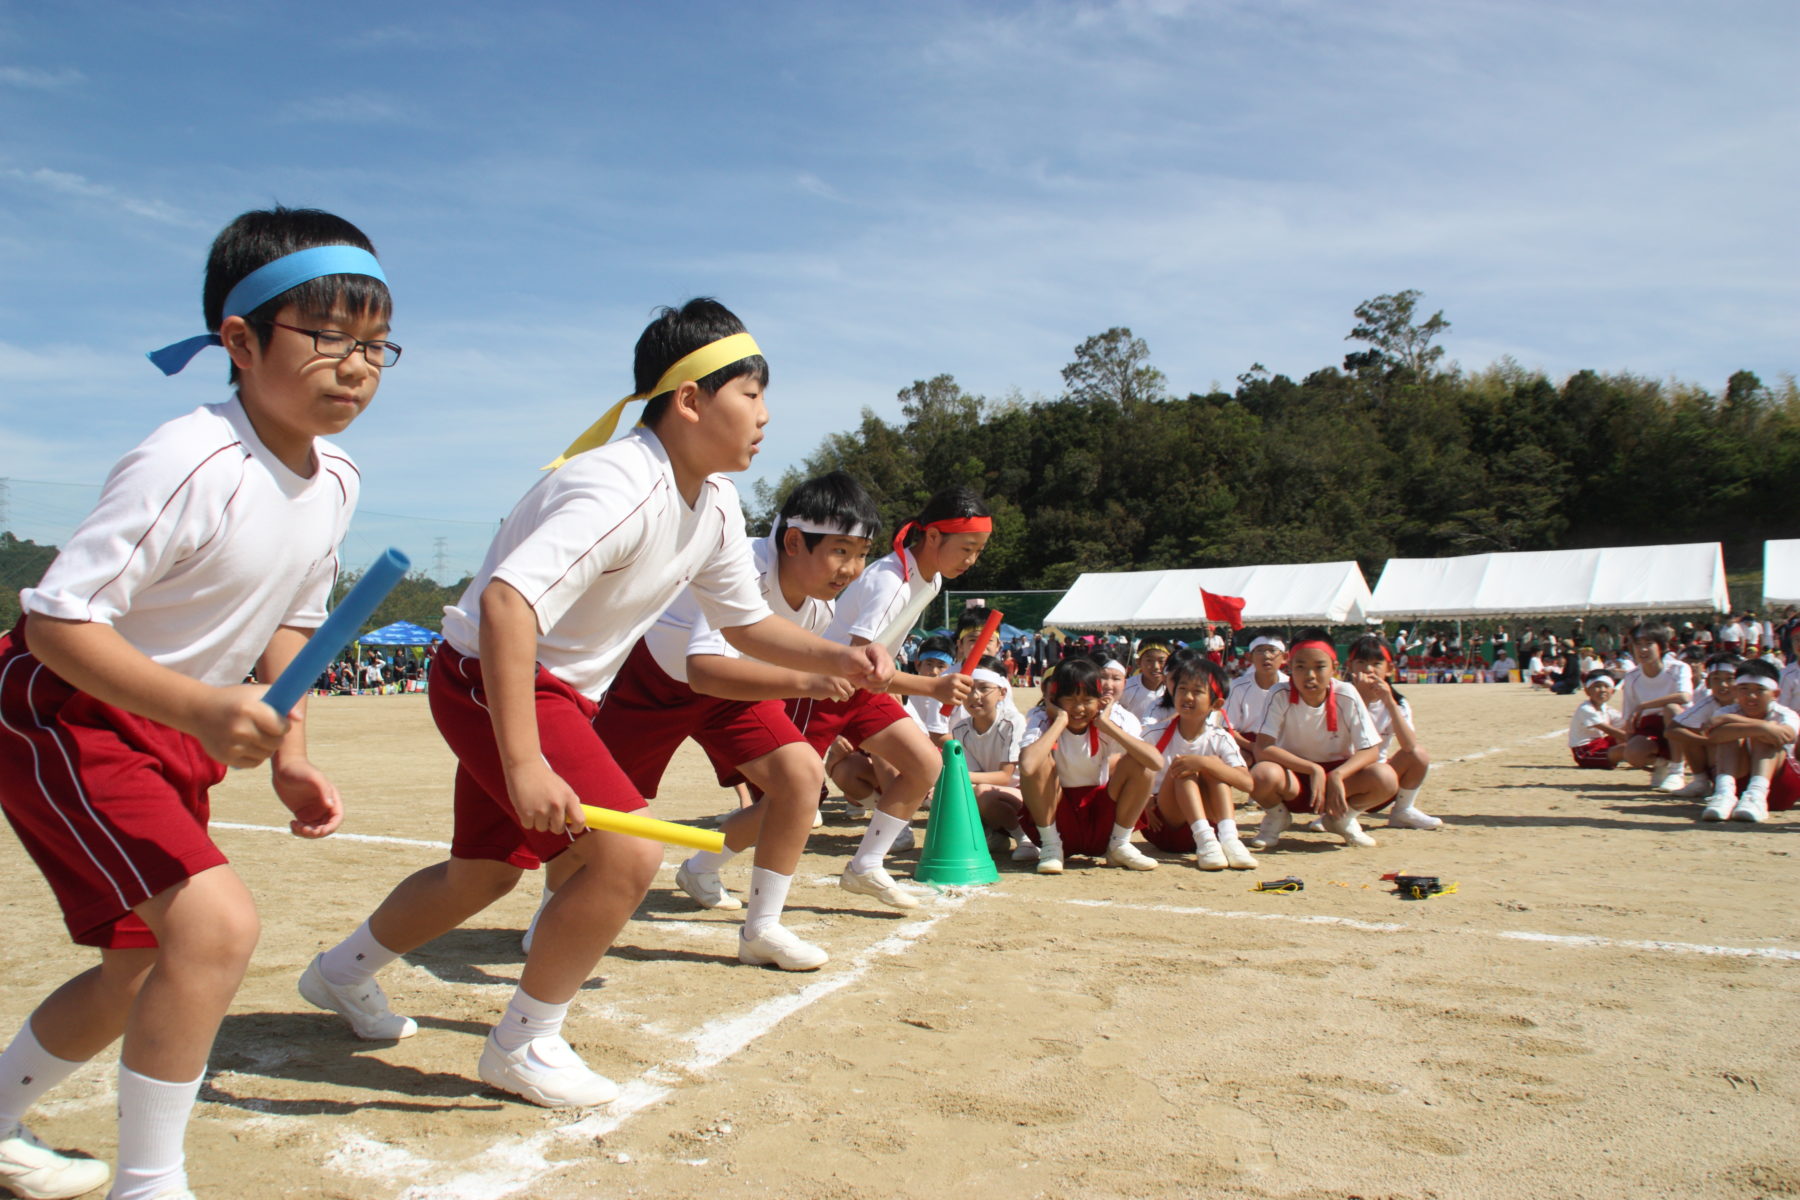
<point>1605,1008</point>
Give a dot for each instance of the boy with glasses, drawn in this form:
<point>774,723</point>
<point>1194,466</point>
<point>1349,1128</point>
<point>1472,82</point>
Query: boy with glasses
<point>212,550</point>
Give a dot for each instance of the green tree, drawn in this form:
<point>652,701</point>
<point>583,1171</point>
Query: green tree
<point>1113,368</point>
<point>1387,323</point>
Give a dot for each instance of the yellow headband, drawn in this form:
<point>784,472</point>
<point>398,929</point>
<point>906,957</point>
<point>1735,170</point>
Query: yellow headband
<point>715,356</point>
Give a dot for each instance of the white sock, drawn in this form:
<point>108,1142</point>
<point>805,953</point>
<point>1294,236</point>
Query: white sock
<point>1050,841</point>
<point>1757,786</point>
<point>1016,832</point>
<point>27,1071</point>
<point>1121,835</point>
<point>355,959</point>
<point>706,862</point>
<point>153,1120</point>
<point>1403,800</point>
<point>527,1019</point>
<point>877,840</point>
<point>1203,833</point>
<point>1228,829</point>
<point>1724,785</point>
<point>768,894</point>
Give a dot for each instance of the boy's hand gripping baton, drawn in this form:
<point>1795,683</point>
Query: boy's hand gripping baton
<point>654,830</point>
<point>338,630</point>
<point>979,649</point>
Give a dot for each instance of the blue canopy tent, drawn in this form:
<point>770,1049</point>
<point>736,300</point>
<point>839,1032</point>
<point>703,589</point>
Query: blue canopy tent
<point>401,633</point>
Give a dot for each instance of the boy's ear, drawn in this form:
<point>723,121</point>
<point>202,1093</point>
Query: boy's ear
<point>239,341</point>
<point>684,405</point>
<point>793,542</point>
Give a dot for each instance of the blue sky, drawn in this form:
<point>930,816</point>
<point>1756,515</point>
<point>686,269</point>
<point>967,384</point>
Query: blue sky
<point>884,193</point>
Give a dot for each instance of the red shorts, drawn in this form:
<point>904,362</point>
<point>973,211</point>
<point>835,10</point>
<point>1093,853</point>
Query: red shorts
<point>1651,726</point>
<point>487,827</point>
<point>111,806</point>
<point>1784,789</point>
<point>1591,754</point>
<point>646,714</point>
<point>1172,836</point>
<point>862,716</point>
<point>1306,802</point>
<point>1084,819</point>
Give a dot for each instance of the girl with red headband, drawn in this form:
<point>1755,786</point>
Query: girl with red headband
<point>1190,810</point>
<point>1079,802</point>
<point>941,543</point>
<point>1371,673</point>
<point>1318,750</point>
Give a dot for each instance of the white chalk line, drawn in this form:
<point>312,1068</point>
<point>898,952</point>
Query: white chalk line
<point>511,1166</point>
<point>374,838</point>
<point>1518,935</point>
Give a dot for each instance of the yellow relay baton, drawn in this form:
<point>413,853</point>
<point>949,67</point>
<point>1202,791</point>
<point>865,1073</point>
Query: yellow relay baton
<point>654,830</point>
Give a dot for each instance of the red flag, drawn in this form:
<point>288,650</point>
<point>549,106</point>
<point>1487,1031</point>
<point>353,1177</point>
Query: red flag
<point>1224,608</point>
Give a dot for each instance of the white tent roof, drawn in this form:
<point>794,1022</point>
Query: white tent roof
<point>1619,579</point>
<point>1781,572</point>
<point>1322,593</point>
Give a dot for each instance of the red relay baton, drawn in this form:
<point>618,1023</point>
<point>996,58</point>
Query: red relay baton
<point>995,616</point>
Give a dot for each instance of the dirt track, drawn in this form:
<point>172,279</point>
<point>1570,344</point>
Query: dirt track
<point>1603,1009</point>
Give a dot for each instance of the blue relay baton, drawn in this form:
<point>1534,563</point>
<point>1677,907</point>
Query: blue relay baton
<point>338,631</point>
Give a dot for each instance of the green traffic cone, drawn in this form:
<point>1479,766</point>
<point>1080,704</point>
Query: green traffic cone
<point>956,850</point>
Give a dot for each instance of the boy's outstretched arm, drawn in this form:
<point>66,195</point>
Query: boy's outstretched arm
<point>232,724</point>
<point>777,640</point>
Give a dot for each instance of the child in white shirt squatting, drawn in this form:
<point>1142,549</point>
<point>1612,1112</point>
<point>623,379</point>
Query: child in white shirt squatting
<point>1687,732</point>
<point>1596,739</point>
<point>212,550</point>
<point>1143,694</point>
<point>1078,805</point>
<point>927,711</point>
<point>990,729</point>
<point>1318,751</point>
<point>1248,702</point>
<point>1371,674</point>
<point>580,570</point>
<point>1190,809</point>
<point>1652,694</point>
<point>1754,741</point>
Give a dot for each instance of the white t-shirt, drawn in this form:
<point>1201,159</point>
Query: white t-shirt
<point>1790,685</point>
<point>1581,725</point>
<point>1779,713</point>
<point>1383,719</point>
<point>600,547</point>
<point>1640,691</point>
<point>1247,704</point>
<point>1732,632</point>
<point>1300,729</point>
<point>869,605</point>
<point>683,629</point>
<point>1214,739</point>
<point>927,713</point>
<point>1503,668</point>
<point>1140,701</point>
<point>203,544</point>
<point>1697,714</point>
<point>1000,745</point>
<point>1078,763</point>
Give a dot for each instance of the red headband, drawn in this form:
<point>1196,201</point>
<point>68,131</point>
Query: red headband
<point>947,525</point>
<point>1331,721</point>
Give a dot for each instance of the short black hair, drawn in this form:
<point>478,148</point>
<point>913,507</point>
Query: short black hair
<point>831,499</point>
<point>1593,677</point>
<point>675,333</point>
<point>259,237</point>
<point>1370,648</point>
<point>1661,634</point>
<point>940,644</point>
<point>1218,684</point>
<point>947,505</point>
<point>972,618</point>
<point>1758,668</point>
<point>990,663</point>
<point>1074,677</point>
<point>1722,662</point>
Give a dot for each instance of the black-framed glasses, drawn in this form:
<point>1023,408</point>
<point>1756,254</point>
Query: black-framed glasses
<point>332,343</point>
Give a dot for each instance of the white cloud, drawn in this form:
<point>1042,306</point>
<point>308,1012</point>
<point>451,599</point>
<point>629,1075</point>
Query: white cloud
<point>69,184</point>
<point>37,79</point>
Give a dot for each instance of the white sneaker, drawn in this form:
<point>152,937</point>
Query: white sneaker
<point>364,1006</point>
<point>1724,799</point>
<point>1211,857</point>
<point>1675,782</point>
<point>1349,829</point>
<point>904,842</point>
<point>780,946</point>
<point>1695,788</point>
<point>1752,806</point>
<point>1316,825</point>
<point>818,818</point>
<point>1050,862</point>
<point>705,889</point>
<point>36,1172</point>
<point>545,1071</point>
<point>1412,818</point>
<point>1130,857</point>
<point>879,884</point>
<point>1236,856</point>
<point>1659,771</point>
<point>1274,823</point>
<point>1026,851</point>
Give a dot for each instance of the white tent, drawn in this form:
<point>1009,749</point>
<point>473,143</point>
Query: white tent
<point>1619,579</point>
<point>1319,593</point>
<point>1781,572</point>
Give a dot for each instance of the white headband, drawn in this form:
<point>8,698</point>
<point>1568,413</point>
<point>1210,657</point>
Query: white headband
<point>1266,641</point>
<point>1112,664</point>
<point>983,675</point>
<point>853,529</point>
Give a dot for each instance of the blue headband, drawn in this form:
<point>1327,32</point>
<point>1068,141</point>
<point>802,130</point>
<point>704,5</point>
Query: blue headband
<point>263,285</point>
<point>936,656</point>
